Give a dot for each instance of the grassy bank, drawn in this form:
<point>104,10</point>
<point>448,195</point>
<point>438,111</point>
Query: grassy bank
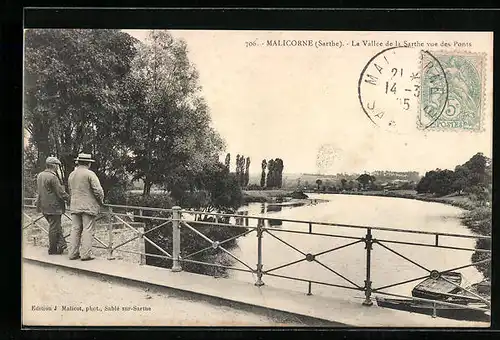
<point>457,201</point>
<point>265,196</point>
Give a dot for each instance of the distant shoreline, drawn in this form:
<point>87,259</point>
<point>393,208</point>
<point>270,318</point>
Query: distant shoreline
<point>271,196</point>
<point>456,201</point>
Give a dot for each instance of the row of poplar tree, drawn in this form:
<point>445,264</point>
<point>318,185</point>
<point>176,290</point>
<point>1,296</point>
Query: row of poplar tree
<point>272,179</point>
<point>241,170</point>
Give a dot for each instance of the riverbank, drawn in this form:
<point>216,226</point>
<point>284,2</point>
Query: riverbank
<point>281,195</point>
<point>279,198</point>
<point>457,201</point>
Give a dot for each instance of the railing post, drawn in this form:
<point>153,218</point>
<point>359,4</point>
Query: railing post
<point>110,235</point>
<point>260,225</point>
<point>142,246</point>
<point>176,239</point>
<point>368,283</point>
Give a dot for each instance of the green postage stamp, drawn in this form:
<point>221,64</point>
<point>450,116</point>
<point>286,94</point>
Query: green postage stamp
<point>462,91</point>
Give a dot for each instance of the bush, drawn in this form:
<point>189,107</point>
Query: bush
<point>116,195</point>
<point>299,195</point>
<point>29,186</point>
<point>483,268</point>
<point>190,241</point>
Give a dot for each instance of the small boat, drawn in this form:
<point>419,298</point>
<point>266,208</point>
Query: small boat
<point>437,310</point>
<point>438,288</point>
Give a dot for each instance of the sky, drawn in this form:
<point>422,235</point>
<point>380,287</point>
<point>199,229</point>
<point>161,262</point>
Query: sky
<point>301,103</point>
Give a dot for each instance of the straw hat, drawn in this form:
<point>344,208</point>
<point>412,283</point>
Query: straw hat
<point>84,157</point>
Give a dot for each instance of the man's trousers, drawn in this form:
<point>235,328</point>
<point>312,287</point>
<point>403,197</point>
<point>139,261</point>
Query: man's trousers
<point>82,233</point>
<point>57,243</point>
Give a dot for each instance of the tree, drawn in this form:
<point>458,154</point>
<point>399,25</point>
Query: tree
<point>343,182</point>
<point>237,166</point>
<point>241,178</point>
<point>270,183</point>
<point>461,177</point>
<point>227,162</point>
<point>366,179</point>
<point>77,94</point>
<point>263,175</point>
<point>172,139</point>
<point>319,182</point>
<point>223,190</point>
<point>279,172</point>
<point>247,171</point>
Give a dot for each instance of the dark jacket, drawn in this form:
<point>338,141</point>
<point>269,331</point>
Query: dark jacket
<point>86,192</point>
<point>51,195</point>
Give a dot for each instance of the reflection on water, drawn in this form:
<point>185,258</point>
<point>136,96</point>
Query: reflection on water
<point>271,208</point>
<point>350,262</point>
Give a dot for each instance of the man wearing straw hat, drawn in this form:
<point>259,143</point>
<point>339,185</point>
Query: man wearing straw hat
<point>50,201</point>
<point>86,199</point>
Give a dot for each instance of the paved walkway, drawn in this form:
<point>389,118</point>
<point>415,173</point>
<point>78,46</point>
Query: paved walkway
<point>242,295</point>
<point>53,286</point>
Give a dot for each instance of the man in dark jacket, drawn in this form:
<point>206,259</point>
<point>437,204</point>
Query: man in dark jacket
<point>50,202</point>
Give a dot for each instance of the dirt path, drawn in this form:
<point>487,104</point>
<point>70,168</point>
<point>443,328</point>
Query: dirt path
<point>96,299</point>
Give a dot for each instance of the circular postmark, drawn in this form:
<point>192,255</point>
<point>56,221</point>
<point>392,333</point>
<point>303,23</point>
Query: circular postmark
<point>402,88</point>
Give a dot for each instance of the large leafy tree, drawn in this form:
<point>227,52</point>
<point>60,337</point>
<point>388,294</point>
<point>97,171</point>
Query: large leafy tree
<point>172,137</point>
<point>365,179</point>
<point>76,93</point>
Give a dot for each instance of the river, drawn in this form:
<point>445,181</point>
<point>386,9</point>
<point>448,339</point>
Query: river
<point>387,267</point>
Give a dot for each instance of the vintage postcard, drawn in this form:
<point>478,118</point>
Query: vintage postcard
<point>257,178</point>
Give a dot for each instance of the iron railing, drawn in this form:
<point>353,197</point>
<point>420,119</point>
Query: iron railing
<point>178,218</point>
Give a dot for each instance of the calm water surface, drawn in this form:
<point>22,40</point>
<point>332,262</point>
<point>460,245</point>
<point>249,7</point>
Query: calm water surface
<point>350,262</point>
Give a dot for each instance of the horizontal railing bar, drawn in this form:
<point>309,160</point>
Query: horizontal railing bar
<point>133,207</point>
<point>340,225</point>
<point>145,254</point>
<point>434,246</point>
<point>221,224</point>
<point>115,223</point>
<point>145,217</point>
<point>437,302</point>
<point>313,233</point>
<point>217,265</point>
<point>316,282</point>
<point>192,212</point>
